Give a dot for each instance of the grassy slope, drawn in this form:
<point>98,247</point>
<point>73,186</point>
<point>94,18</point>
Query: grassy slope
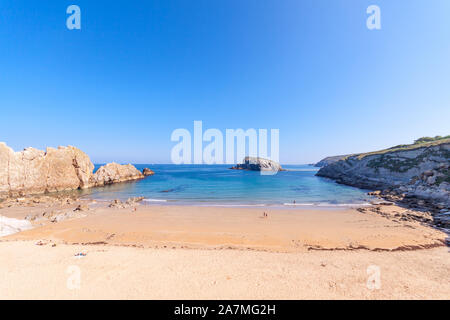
<point>418,144</point>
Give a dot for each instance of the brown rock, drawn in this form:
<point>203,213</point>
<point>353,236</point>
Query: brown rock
<point>131,202</point>
<point>116,203</point>
<point>5,152</point>
<point>33,171</point>
<point>148,172</point>
<point>82,207</point>
<point>114,173</point>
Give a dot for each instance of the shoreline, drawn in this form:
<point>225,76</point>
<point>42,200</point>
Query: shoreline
<point>212,204</point>
<point>286,229</point>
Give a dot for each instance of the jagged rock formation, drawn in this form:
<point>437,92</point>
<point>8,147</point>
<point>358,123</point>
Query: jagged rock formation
<point>420,170</point>
<point>131,202</point>
<point>258,164</point>
<point>148,172</point>
<point>329,160</point>
<point>114,173</point>
<point>33,171</point>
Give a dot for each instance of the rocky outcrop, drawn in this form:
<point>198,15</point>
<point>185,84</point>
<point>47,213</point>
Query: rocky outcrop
<point>131,202</point>
<point>147,172</point>
<point>33,171</point>
<point>420,171</point>
<point>329,160</point>
<point>258,164</point>
<point>114,173</point>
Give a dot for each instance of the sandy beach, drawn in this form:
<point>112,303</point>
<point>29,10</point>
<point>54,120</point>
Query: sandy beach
<point>225,150</point>
<point>28,271</point>
<point>188,252</point>
<point>283,230</point>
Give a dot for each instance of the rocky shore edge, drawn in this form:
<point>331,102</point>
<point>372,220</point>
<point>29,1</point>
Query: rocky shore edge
<point>34,171</point>
<point>62,206</point>
<point>421,210</point>
<point>415,177</point>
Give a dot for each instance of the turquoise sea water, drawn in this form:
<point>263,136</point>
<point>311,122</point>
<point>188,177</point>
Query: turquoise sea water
<point>218,185</point>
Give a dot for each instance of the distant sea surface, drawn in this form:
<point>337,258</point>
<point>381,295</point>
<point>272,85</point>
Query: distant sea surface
<point>218,185</point>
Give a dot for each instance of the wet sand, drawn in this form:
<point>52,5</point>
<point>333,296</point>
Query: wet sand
<point>218,227</point>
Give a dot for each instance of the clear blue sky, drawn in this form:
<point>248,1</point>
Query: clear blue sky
<point>137,70</point>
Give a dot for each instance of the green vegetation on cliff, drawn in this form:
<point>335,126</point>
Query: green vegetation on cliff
<point>444,178</point>
<point>430,139</point>
<point>423,142</point>
<point>403,164</point>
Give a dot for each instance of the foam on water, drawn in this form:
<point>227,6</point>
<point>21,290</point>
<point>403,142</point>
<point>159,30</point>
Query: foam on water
<point>10,226</point>
<point>326,204</point>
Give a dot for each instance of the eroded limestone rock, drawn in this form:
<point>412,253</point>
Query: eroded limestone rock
<point>258,164</point>
<point>114,173</point>
<point>34,171</point>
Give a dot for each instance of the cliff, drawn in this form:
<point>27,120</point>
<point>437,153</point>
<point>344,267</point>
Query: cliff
<point>329,160</point>
<point>417,170</point>
<point>258,164</point>
<point>33,171</point>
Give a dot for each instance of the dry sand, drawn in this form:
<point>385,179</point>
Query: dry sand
<point>168,252</point>
<point>44,272</point>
